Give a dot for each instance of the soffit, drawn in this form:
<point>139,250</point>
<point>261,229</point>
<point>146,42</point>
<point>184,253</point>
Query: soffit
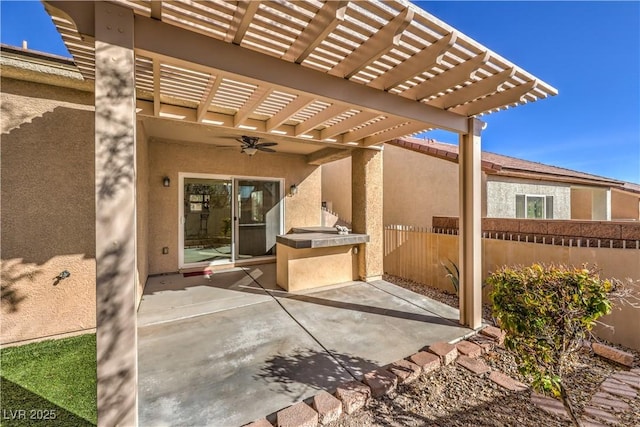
<point>391,46</point>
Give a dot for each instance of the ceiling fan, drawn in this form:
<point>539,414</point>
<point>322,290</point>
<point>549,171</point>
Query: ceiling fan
<point>251,145</point>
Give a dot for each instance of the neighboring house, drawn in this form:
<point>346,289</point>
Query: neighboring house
<point>421,181</point>
<point>124,162</point>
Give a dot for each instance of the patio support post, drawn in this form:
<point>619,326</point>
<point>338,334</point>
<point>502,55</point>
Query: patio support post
<point>366,187</point>
<point>470,249</point>
<point>115,160</point>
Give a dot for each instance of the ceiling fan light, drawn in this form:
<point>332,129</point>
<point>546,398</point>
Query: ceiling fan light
<point>251,151</point>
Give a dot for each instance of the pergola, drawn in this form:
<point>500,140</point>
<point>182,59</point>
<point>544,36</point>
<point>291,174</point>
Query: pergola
<point>330,79</point>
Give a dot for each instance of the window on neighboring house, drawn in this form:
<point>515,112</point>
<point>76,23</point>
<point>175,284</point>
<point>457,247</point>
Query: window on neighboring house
<point>534,207</point>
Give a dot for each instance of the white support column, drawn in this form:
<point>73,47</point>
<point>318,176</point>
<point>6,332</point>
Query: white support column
<point>470,262</point>
<point>115,160</point>
<point>601,204</point>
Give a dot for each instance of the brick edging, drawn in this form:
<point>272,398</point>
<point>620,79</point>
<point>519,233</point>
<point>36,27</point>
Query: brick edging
<point>353,395</point>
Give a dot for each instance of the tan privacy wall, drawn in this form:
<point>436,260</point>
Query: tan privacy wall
<point>169,158</point>
<point>418,255</point>
<point>48,226</point>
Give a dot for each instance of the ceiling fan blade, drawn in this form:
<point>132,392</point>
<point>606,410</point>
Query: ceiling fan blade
<point>266,144</point>
<point>268,150</point>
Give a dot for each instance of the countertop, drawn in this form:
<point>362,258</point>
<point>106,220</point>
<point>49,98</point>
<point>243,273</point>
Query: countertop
<point>308,238</point>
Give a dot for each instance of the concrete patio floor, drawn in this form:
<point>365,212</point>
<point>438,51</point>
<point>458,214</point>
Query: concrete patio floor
<point>234,348</point>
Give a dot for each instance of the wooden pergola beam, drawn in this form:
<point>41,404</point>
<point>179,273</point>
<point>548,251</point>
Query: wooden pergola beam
<point>328,18</point>
<point>254,101</point>
<point>291,109</point>
<point>383,41</point>
<point>156,87</point>
<point>482,88</point>
<point>209,94</point>
<point>347,124</point>
<point>498,99</point>
<point>379,126</point>
<point>327,155</point>
<point>404,130</point>
<point>316,120</point>
<point>448,79</point>
<point>418,63</point>
<point>156,9</point>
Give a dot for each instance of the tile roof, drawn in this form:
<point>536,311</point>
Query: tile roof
<point>498,164</point>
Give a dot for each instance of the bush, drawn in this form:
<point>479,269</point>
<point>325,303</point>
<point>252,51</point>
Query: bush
<point>546,312</point>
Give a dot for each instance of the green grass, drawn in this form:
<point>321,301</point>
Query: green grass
<point>49,379</point>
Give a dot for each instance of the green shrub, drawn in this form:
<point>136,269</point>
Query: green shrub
<point>546,312</point>
<point>453,273</point>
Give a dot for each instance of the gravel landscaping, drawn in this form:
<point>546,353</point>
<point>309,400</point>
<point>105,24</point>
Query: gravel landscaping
<point>454,396</point>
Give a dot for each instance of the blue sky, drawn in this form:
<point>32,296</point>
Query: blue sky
<point>589,51</point>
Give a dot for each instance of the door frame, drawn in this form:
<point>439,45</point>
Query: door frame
<point>234,214</point>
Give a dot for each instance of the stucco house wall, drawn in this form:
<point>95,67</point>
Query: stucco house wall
<point>48,210</point>
<point>581,203</point>
<point>336,187</point>
<point>625,206</point>
<point>418,187</point>
<point>142,206</point>
<point>169,158</point>
<point>48,204</point>
<point>501,196</point>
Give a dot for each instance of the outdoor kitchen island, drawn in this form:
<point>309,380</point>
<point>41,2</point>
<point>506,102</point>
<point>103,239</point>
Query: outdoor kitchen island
<point>311,257</point>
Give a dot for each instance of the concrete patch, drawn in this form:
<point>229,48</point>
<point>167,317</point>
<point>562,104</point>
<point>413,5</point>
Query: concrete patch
<point>225,352</point>
<point>229,368</point>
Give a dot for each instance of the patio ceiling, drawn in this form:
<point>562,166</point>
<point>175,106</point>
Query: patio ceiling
<point>335,73</point>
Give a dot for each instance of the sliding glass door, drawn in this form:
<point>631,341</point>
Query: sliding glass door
<point>207,221</point>
<point>215,230</point>
<point>258,217</point>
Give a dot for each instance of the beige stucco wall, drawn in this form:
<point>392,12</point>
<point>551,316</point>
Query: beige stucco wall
<point>301,269</point>
<point>419,256</point>
<point>336,187</point>
<point>624,206</point>
<point>169,158</point>
<point>47,207</point>
<point>418,187</point>
<point>142,206</point>
<point>581,202</point>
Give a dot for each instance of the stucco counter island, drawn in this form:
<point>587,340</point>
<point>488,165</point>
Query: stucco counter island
<point>312,257</point>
